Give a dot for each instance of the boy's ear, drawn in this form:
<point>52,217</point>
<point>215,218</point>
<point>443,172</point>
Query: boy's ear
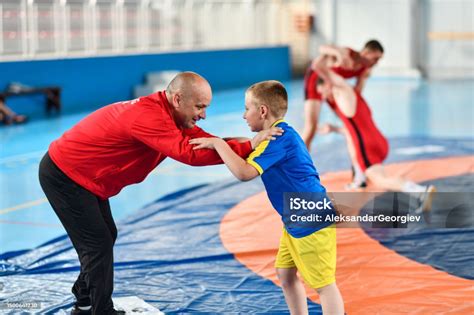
<point>263,110</point>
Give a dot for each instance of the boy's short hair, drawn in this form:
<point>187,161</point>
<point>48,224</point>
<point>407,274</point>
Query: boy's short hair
<point>374,45</point>
<point>273,94</point>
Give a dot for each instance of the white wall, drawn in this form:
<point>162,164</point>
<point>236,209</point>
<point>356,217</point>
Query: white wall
<point>389,21</point>
<point>357,21</point>
<point>449,57</point>
<point>403,26</point>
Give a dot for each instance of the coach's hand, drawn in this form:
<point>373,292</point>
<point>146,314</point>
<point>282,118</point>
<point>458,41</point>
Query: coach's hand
<point>266,134</point>
<point>204,143</point>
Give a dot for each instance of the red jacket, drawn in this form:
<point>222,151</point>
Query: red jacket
<point>120,144</point>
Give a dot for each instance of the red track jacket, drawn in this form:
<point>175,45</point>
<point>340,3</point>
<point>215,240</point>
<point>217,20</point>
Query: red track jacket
<point>120,144</point>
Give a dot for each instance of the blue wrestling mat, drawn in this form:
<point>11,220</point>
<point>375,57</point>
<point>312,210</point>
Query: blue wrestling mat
<point>170,254</point>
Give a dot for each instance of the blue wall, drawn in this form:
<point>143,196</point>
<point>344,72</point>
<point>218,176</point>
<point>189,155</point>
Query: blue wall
<point>89,83</point>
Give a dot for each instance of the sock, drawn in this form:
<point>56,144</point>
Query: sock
<point>84,308</point>
<point>411,187</point>
<point>359,176</point>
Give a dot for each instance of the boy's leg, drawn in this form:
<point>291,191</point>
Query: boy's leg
<point>293,289</point>
<point>376,174</point>
<point>312,109</point>
<point>315,258</point>
<point>424,194</point>
<point>331,300</point>
<point>359,179</point>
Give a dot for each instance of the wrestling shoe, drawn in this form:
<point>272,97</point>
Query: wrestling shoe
<point>426,199</point>
<point>359,181</point>
<point>77,311</point>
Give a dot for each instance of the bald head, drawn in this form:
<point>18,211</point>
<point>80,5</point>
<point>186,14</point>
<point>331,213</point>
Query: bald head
<point>189,95</point>
<point>188,83</point>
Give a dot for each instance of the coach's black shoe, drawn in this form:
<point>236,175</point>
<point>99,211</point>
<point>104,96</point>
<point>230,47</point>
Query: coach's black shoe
<point>77,311</point>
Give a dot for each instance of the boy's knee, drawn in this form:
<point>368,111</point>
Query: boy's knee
<point>310,124</point>
<point>312,129</point>
<point>326,288</point>
<point>287,279</point>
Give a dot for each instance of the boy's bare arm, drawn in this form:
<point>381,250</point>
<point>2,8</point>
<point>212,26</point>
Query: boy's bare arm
<point>238,166</point>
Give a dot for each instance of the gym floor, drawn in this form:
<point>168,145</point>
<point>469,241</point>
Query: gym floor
<point>429,126</point>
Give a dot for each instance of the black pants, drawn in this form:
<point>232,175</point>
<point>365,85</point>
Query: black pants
<point>91,228</point>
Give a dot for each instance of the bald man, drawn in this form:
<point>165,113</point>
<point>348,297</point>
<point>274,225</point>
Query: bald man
<point>115,146</point>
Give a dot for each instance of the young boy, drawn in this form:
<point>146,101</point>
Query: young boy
<point>367,145</point>
<point>286,166</point>
<point>350,64</point>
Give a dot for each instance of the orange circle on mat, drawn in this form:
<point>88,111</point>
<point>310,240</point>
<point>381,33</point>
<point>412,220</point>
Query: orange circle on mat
<point>372,278</point>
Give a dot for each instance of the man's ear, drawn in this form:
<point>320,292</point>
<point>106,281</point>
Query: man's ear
<point>176,99</point>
